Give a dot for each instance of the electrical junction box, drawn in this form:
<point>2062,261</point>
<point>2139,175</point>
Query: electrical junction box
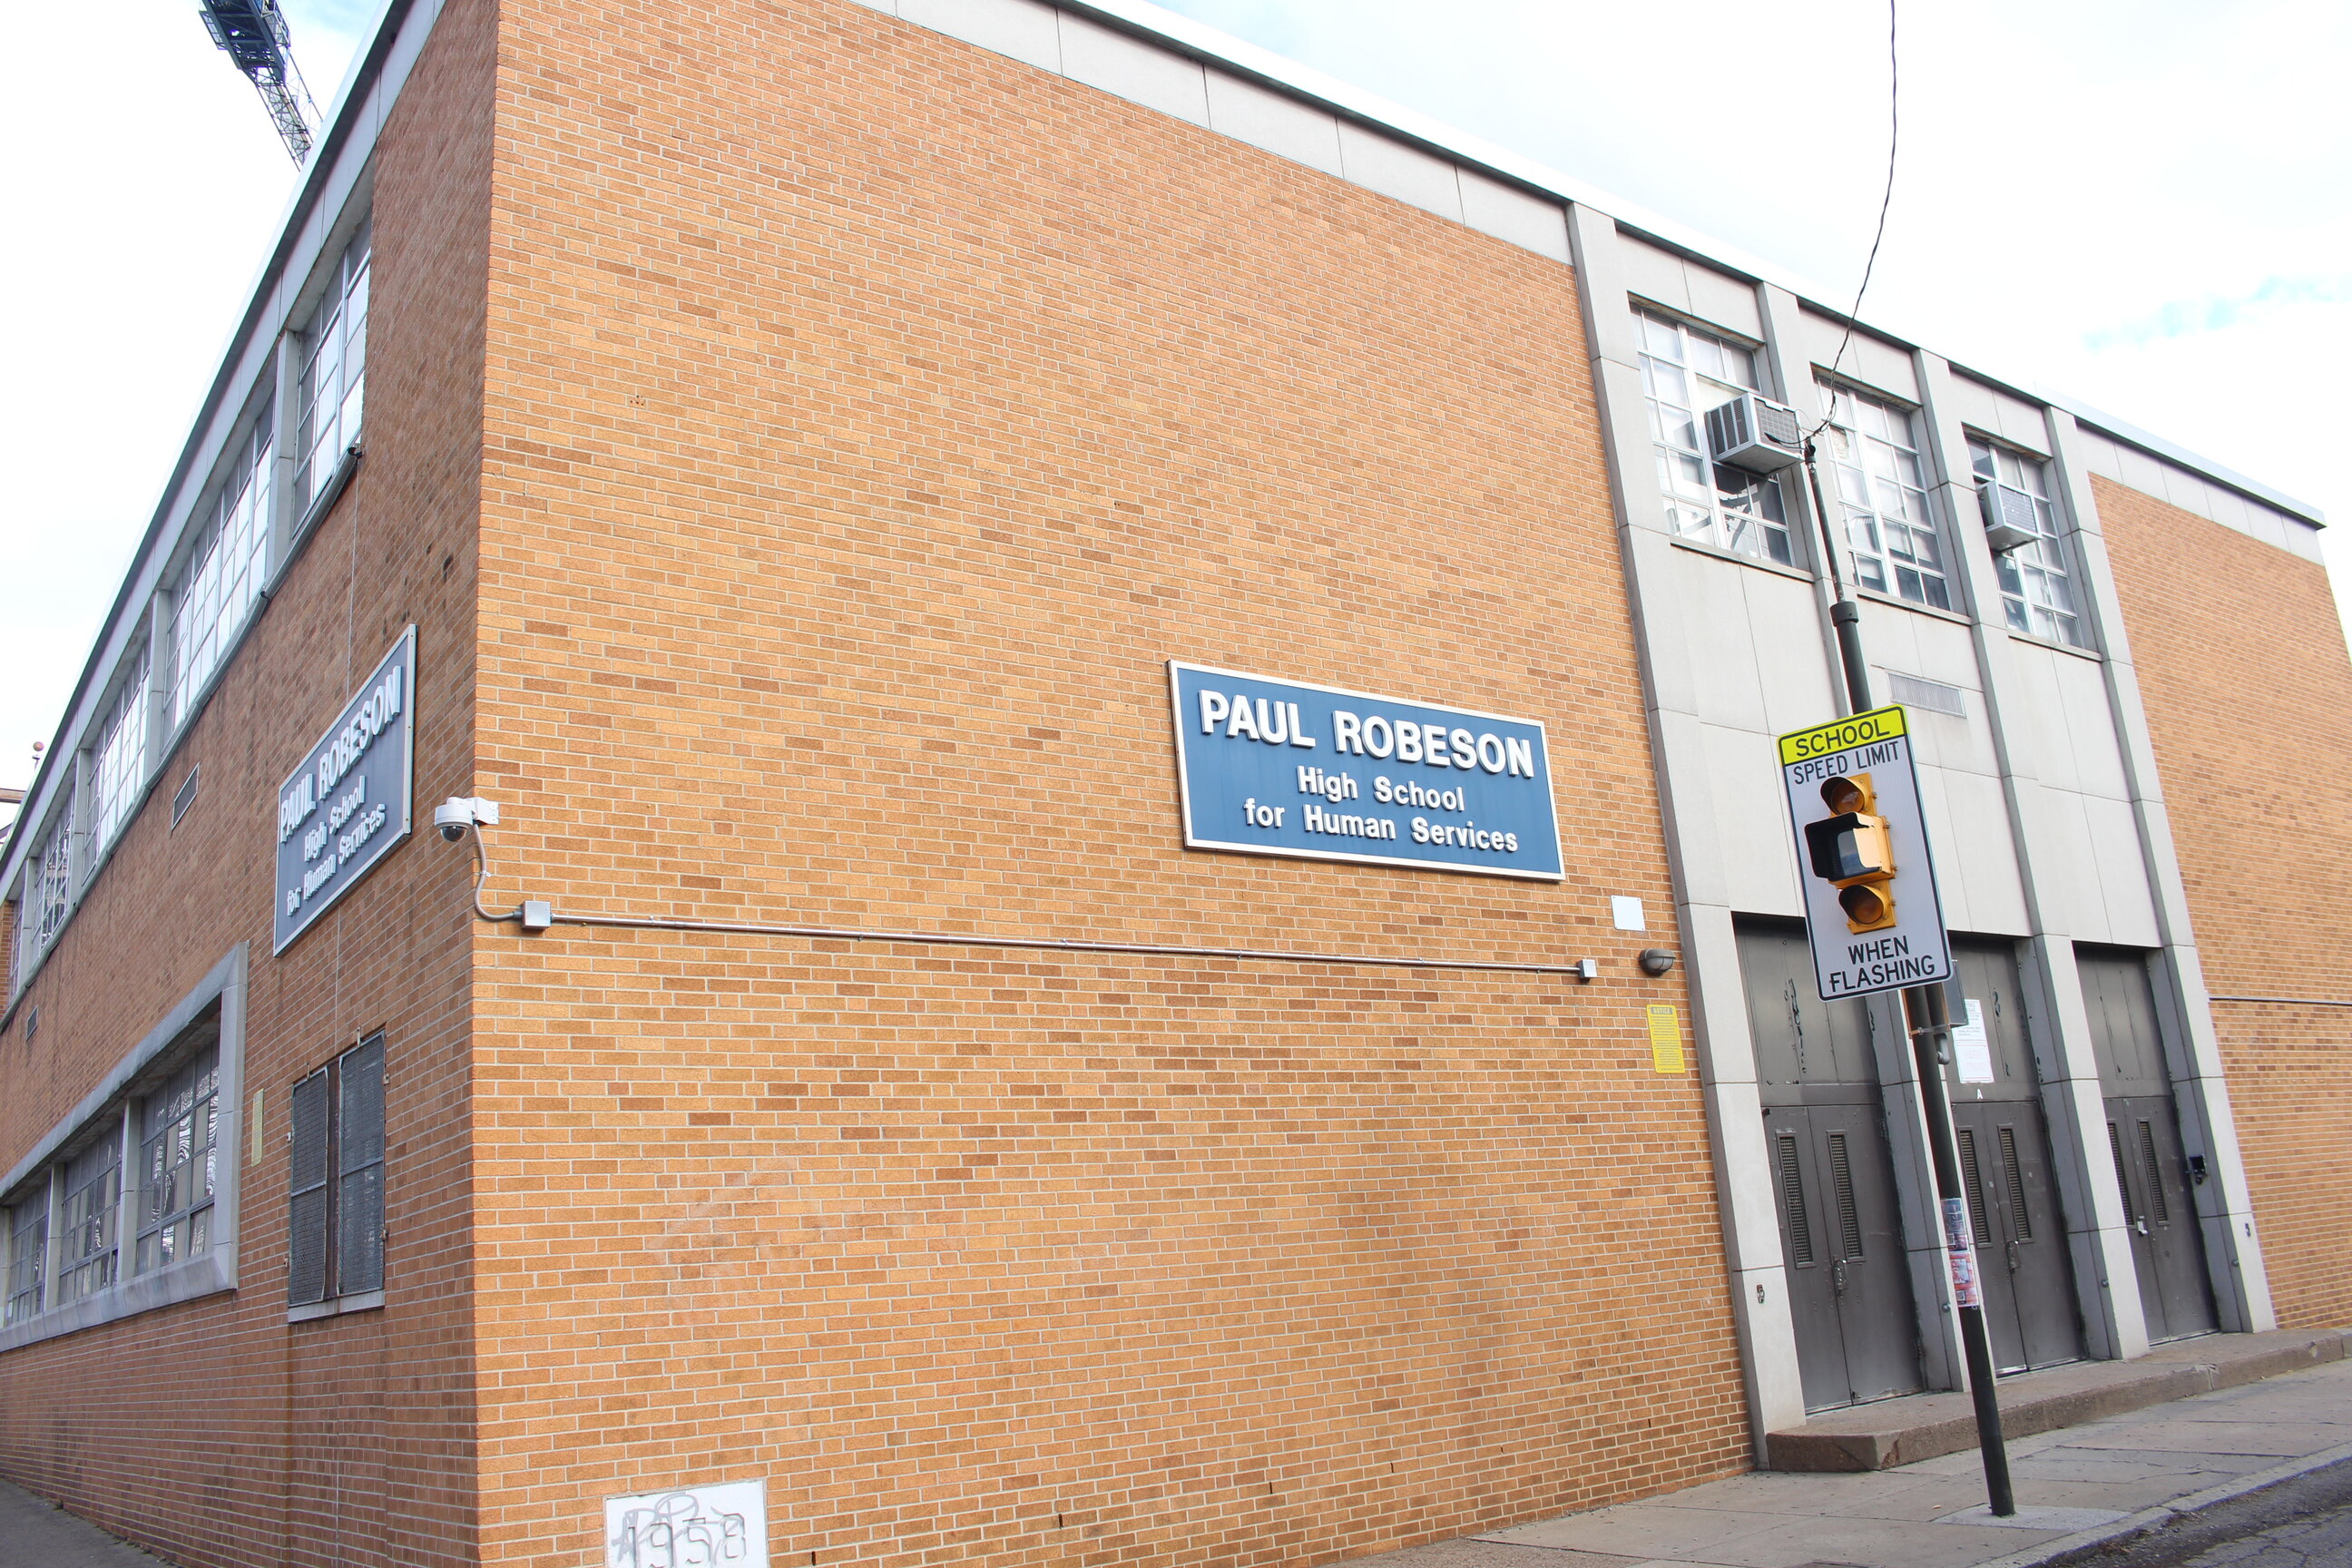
<point>1754,433</point>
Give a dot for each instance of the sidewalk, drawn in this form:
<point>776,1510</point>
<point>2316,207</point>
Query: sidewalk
<point>2106,1481</point>
<point>34,1533</point>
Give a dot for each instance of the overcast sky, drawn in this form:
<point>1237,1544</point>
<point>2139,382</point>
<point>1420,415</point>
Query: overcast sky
<point>2147,205</point>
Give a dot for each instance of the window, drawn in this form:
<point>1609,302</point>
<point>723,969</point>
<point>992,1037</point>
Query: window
<point>53,884</point>
<point>334,373</point>
<point>1684,373</point>
<point>28,1247</point>
<point>118,759</point>
<point>335,1182</point>
<point>2036,594</point>
<point>225,571</point>
<point>88,1218</point>
<point>179,1164</point>
<point>1883,491</point>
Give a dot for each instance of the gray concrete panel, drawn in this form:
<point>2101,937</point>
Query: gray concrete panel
<point>1381,164</point>
<point>1870,360</point>
<point>1137,72</point>
<point>1508,213</point>
<point>1026,30</point>
<point>1278,123</point>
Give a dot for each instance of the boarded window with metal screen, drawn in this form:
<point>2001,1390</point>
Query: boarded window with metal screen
<point>306,1220</point>
<point>1793,1204</point>
<point>1849,1217</point>
<point>358,1159</point>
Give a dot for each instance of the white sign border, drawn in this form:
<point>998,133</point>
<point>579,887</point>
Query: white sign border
<point>1927,853</point>
<point>1280,852</point>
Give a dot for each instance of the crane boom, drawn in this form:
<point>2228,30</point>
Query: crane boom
<point>255,34</point>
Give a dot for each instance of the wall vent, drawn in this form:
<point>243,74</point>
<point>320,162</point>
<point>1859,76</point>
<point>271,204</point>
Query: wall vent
<point>1933,695</point>
<point>185,798</point>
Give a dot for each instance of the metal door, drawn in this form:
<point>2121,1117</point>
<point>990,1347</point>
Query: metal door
<point>1841,1234</point>
<point>2004,1148</point>
<point>2144,1139</point>
<point>1849,1284</point>
<point>2167,1244</point>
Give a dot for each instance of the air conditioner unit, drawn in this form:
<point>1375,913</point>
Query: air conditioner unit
<point>1756,434</point>
<point>2009,516</point>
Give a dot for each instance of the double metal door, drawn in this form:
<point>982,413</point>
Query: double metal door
<point>1841,1237</point>
<point>2029,1291</point>
<point>2022,1257</point>
<point>2144,1138</point>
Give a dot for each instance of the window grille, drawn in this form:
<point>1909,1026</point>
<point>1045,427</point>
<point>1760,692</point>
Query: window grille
<point>1881,489</point>
<point>1684,373</point>
<point>224,571</point>
<point>119,758</point>
<point>28,1247</point>
<point>334,373</point>
<point>88,1257</point>
<point>2037,594</point>
<point>335,1179</point>
<point>179,1166</point>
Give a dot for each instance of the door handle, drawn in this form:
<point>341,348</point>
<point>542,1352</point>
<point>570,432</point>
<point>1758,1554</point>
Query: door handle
<point>2140,1226</point>
<point>2012,1258</point>
<point>1837,1276</point>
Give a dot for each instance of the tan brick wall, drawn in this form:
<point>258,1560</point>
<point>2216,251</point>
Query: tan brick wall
<point>214,1430</point>
<point>868,418</point>
<point>2249,696</point>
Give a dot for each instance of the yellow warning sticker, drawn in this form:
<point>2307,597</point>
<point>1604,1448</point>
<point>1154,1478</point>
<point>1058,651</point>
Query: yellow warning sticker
<point>1843,735</point>
<point>1665,1039</point>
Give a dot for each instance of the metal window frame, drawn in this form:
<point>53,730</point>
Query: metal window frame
<point>1947,571</point>
<point>108,1111</point>
<point>1719,517</point>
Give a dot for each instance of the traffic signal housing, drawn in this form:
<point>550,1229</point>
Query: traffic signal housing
<point>1854,852</point>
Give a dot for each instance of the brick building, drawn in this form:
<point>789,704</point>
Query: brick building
<point>796,449</point>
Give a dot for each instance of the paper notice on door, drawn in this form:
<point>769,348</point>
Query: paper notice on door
<point>1665,1039</point>
<point>1970,1050</point>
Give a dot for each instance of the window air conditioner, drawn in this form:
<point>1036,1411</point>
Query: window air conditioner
<point>1756,434</point>
<point>2008,516</point>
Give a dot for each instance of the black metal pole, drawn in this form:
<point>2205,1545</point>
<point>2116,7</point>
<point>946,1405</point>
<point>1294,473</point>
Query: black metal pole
<point>1928,1015</point>
<point>1845,616</point>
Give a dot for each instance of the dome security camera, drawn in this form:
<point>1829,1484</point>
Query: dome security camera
<point>458,813</point>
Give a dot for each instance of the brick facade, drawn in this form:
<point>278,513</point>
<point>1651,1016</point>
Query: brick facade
<point>214,1430</point>
<point>869,417</point>
<point>800,440</point>
<point>2249,696</point>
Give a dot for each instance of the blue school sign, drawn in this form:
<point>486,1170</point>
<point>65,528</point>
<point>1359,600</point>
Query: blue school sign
<point>1278,767</point>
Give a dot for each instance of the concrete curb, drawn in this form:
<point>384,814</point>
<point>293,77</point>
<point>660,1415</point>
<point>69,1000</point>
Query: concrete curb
<point>1898,1432</point>
<point>2084,1544</point>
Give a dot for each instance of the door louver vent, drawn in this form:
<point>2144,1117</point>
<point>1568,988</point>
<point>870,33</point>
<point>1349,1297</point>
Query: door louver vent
<point>1793,1204</point>
<point>1841,1182</point>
